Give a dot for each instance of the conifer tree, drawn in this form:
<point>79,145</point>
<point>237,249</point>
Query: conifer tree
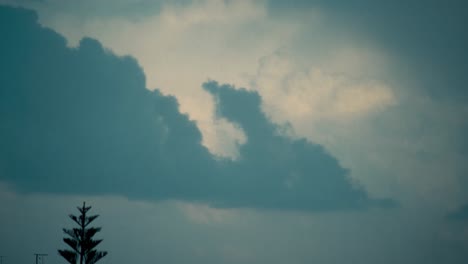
<point>81,241</point>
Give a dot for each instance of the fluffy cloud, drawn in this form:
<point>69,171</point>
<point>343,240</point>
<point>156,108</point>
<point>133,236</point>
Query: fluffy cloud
<point>275,170</point>
<point>80,120</point>
<point>314,94</point>
<point>427,37</point>
<point>179,46</point>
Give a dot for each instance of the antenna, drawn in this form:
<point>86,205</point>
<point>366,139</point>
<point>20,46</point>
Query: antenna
<point>40,256</point>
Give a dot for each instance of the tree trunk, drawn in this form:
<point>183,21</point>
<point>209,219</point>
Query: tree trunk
<point>83,217</point>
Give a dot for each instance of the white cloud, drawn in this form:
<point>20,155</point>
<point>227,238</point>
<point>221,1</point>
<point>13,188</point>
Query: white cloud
<point>313,94</point>
<point>183,46</point>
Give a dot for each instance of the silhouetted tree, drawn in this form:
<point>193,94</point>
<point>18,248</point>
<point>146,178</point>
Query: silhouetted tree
<point>81,240</point>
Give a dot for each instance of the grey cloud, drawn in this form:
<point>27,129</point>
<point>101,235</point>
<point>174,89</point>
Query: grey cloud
<point>81,121</point>
<point>428,37</point>
<point>274,170</point>
<point>426,42</point>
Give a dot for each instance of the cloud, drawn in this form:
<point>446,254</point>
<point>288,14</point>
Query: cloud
<point>311,94</point>
<point>80,120</point>
<point>274,170</point>
<point>423,44</point>
<point>179,46</point>
<point>427,37</point>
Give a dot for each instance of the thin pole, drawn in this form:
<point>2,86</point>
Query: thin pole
<point>1,259</point>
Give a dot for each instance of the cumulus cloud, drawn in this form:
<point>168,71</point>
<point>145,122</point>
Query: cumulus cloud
<point>275,170</point>
<point>427,37</point>
<point>80,120</point>
<point>179,47</point>
<point>314,94</point>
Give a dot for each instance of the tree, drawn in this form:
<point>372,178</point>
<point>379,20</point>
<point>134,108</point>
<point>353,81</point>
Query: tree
<point>81,240</point>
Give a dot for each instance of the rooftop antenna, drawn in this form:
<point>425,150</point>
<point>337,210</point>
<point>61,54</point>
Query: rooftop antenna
<point>41,257</point>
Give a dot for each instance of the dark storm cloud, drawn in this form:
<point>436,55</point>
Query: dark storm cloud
<point>274,170</point>
<point>429,38</point>
<point>76,120</point>
<point>81,121</point>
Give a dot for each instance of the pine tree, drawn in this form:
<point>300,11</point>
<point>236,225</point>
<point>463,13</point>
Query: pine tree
<point>81,240</point>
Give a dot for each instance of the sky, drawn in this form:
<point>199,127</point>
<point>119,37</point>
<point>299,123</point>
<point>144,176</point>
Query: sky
<point>222,131</point>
